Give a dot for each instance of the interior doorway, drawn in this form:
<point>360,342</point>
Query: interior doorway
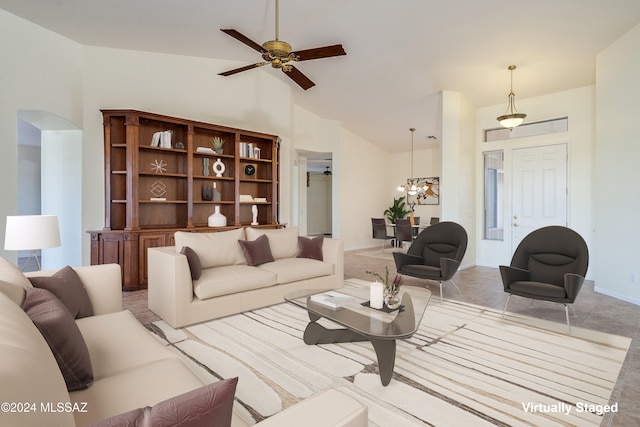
<point>50,181</point>
<point>315,193</point>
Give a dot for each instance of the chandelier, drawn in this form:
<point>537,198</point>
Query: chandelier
<point>410,187</point>
<point>511,118</point>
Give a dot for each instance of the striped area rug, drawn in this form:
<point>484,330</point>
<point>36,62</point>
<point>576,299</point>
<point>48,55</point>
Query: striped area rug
<point>465,367</point>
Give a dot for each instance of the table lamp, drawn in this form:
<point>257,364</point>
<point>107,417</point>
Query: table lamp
<point>32,233</point>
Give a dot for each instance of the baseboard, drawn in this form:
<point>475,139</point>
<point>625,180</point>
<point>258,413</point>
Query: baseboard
<point>616,295</point>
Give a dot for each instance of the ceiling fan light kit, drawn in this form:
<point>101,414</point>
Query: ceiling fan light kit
<point>511,118</point>
<point>279,54</point>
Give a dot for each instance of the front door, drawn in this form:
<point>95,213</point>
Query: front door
<point>539,189</point>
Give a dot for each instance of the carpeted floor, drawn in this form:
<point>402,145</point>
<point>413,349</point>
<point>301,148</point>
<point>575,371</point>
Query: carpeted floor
<point>465,364</point>
<point>481,286</point>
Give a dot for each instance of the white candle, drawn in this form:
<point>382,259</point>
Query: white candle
<point>376,296</point>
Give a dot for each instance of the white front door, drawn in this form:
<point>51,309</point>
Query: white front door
<point>539,189</point>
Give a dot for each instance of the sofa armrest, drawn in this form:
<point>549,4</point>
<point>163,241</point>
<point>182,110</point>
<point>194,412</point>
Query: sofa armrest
<point>331,408</point>
<point>512,274</point>
<point>103,283</point>
<point>333,252</point>
<point>572,285</point>
<point>170,287</point>
<point>448,267</point>
<point>401,259</point>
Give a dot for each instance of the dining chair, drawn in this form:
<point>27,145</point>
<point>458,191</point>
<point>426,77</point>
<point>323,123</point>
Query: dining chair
<point>404,232</point>
<point>379,228</point>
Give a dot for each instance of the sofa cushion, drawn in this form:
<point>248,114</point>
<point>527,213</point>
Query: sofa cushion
<point>283,241</point>
<point>194,262</point>
<point>231,279</point>
<point>68,288</point>
<point>257,251</point>
<point>310,248</point>
<point>28,372</point>
<point>213,249</point>
<point>294,269</point>
<point>146,385</point>
<point>118,342</point>
<point>12,282</point>
<point>59,329</point>
<point>210,405</point>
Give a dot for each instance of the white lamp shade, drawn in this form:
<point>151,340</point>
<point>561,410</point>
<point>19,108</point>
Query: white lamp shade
<point>29,232</point>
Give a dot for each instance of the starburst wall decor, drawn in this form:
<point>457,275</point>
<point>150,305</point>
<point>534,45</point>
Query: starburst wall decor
<point>158,166</point>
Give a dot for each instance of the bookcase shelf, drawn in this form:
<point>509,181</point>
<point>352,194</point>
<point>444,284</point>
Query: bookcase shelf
<point>152,156</point>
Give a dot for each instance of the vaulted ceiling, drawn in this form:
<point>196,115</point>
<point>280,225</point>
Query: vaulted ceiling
<point>400,54</point>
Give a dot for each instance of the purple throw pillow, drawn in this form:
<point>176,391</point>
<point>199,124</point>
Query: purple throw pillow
<point>194,262</point>
<point>66,285</point>
<point>257,251</point>
<point>310,248</point>
<point>59,329</point>
<point>211,405</point>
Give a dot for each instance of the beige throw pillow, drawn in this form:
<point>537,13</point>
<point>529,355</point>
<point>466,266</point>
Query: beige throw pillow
<point>283,242</point>
<point>213,249</point>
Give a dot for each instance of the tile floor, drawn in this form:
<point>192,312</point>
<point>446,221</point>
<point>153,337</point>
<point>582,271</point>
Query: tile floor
<point>482,286</point>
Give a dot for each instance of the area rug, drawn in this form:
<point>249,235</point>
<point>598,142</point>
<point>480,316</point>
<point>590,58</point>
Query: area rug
<point>465,367</point>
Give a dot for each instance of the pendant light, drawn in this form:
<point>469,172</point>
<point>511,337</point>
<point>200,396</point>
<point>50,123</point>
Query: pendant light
<point>511,118</point>
<point>410,187</point>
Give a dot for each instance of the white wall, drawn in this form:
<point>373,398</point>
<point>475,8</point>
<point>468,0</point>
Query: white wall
<point>457,183</point>
<point>45,77</point>
<point>364,175</point>
<point>616,193</point>
<point>576,104</point>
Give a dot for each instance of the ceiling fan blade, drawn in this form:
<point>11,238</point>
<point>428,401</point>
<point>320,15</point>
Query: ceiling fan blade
<point>241,69</point>
<point>320,52</point>
<point>296,75</point>
<point>244,39</point>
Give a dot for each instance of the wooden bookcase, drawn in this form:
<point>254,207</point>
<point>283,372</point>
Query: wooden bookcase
<point>154,189</point>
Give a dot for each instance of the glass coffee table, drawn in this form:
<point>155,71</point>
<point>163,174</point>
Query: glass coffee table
<point>362,323</point>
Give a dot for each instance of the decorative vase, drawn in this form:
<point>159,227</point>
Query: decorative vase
<point>219,168</point>
<point>207,192</point>
<point>216,219</point>
<point>391,300</point>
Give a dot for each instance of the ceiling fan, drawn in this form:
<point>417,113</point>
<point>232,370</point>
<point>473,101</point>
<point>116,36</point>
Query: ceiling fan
<point>279,54</point>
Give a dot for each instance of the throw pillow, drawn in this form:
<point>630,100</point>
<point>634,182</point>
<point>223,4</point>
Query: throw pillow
<point>282,241</point>
<point>310,248</point>
<point>59,329</point>
<point>211,405</point>
<point>256,251</point>
<point>66,285</point>
<point>194,262</point>
<point>215,249</point>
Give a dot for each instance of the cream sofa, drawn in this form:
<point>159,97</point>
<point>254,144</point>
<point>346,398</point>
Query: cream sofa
<point>227,284</point>
<point>131,369</point>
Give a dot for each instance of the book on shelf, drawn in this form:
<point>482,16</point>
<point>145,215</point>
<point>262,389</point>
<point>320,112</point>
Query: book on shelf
<point>333,299</point>
<point>205,150</point>
<point>161,139</point>
<point>246,198</point>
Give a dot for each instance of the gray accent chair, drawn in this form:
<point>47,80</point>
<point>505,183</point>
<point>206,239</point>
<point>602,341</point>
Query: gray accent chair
<point>379,229</point>
<point>435,254</point>
<point>549,264</point>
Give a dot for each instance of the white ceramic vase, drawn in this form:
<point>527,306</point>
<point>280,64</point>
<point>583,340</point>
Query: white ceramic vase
<point>216,219</point>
